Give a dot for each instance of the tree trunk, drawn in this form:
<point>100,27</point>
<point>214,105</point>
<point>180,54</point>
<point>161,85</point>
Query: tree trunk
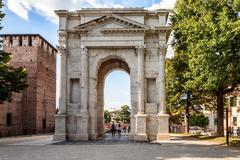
<point>187,113</point>
<point>220,114</point>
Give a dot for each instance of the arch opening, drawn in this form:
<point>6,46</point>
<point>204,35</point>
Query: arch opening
<point>107,69</point>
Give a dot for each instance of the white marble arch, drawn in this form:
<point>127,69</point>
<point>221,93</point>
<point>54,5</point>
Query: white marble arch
<point>94,42</point>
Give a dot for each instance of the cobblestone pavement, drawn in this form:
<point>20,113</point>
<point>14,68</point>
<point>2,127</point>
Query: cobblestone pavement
<point>118,148</point>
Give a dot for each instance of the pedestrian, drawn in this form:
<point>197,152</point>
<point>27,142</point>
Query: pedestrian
<point>113,129</point>
<point>232,132</point>
<point>124,129</point>
<point>229,131</point>
<point>238,132</point>
<point>119,129</point>
<point>129,129</point>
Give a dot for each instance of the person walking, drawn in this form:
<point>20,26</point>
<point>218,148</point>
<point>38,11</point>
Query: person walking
<point>232,132</point>
<point>124,129</point>
<point>238,132</point>
<point>229,131</point>
<point>113,129</point>
<point>119,129</point>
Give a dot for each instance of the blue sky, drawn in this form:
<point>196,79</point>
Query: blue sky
<point>37,16</point>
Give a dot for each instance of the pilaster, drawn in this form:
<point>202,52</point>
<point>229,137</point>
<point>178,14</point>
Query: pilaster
<point>140,50</point>
<point>83,116</point>
<point>141,117</point>
<point>163,117</point>
<point>63,81</point>
<point>84,80</point>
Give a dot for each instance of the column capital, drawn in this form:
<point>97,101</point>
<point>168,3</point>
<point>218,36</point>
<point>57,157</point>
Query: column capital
<point>83,50</point>
<point>140,49</point>
<point>163,49</point>
<point>62,49</point>
<point>62,33</point>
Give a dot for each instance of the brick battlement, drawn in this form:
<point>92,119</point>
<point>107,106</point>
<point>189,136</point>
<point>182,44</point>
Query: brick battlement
<point>16,40</point>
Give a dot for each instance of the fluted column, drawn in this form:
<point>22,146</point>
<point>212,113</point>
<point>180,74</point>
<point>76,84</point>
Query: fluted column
<point>163,117</point>
<point>60,118</point>
<point>140,50</point>
<point>141,117</point>
<point>84,79</point>
<point>162,83</point>
<point>63,80</point>
<point>82,118</point>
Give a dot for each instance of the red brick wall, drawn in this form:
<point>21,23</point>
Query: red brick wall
<point>46,90</point>
<point>27,107</point>
<point>15,107</point>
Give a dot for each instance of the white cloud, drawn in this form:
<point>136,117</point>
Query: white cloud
<point>164,4</point>
<point>18,8</point>
<point>46,7</point>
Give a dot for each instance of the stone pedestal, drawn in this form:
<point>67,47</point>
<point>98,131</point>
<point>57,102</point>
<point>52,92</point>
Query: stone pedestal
<point>82,126</point>
<point>60,127</point>
<point>163,129</point>
<point>140,132</point>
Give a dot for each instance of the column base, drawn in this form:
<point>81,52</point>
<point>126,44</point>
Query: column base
<point>141,137</point>
<point>163,127</point>
<point>59,137</point>
<point>131,136</point>
<point>60,127</point>
<point>140,132</point>
<point>92,137</point>
<point>83,137</point>
<point>163,137</point>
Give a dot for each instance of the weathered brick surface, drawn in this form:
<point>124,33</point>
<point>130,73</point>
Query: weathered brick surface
<point>37,102</point>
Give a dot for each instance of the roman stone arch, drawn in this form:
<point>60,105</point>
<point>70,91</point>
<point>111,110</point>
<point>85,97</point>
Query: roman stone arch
<point>93,43</point>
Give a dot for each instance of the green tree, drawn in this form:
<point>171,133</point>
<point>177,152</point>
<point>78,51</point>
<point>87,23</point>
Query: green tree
<point>208,31</point>
<point>180,97</point>
<point>199,120</point>
<point>124,114</point>
<point>117,117</point>
<point>107,116</point>
<point>11,79</point>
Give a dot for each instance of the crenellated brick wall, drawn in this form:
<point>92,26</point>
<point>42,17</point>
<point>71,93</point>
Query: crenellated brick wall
<point>38,102</point>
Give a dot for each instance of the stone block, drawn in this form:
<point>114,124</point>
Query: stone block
<point>60,128</point>
<point>140,130</point>
<point>163,130</point>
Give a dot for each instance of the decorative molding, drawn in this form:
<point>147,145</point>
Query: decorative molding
<point>163,49</point>
<point>62,49</point>
<point>120,30</point>
<point>140,49</point>
<point>84,50</point>
<point>62,33</point>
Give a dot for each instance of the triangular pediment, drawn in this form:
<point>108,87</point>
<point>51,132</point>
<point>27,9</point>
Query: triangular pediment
<point>111,22</point>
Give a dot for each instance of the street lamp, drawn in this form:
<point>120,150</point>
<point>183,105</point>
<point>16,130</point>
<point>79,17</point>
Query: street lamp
<point>227,134</point>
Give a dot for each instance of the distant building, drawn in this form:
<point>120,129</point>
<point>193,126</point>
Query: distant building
<point>233,103</point>
<point>31,111</point>
<point>113,114</point>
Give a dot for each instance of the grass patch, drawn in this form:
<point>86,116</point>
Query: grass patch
<point>235,142</point>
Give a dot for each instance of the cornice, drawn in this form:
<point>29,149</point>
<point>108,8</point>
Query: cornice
<point>122,11</point>
<point>164,29</point>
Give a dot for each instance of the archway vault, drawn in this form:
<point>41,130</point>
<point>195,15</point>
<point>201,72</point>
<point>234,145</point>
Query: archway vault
<point>105,68</point>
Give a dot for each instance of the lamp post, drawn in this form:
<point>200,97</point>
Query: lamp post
<point>227,134</point>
